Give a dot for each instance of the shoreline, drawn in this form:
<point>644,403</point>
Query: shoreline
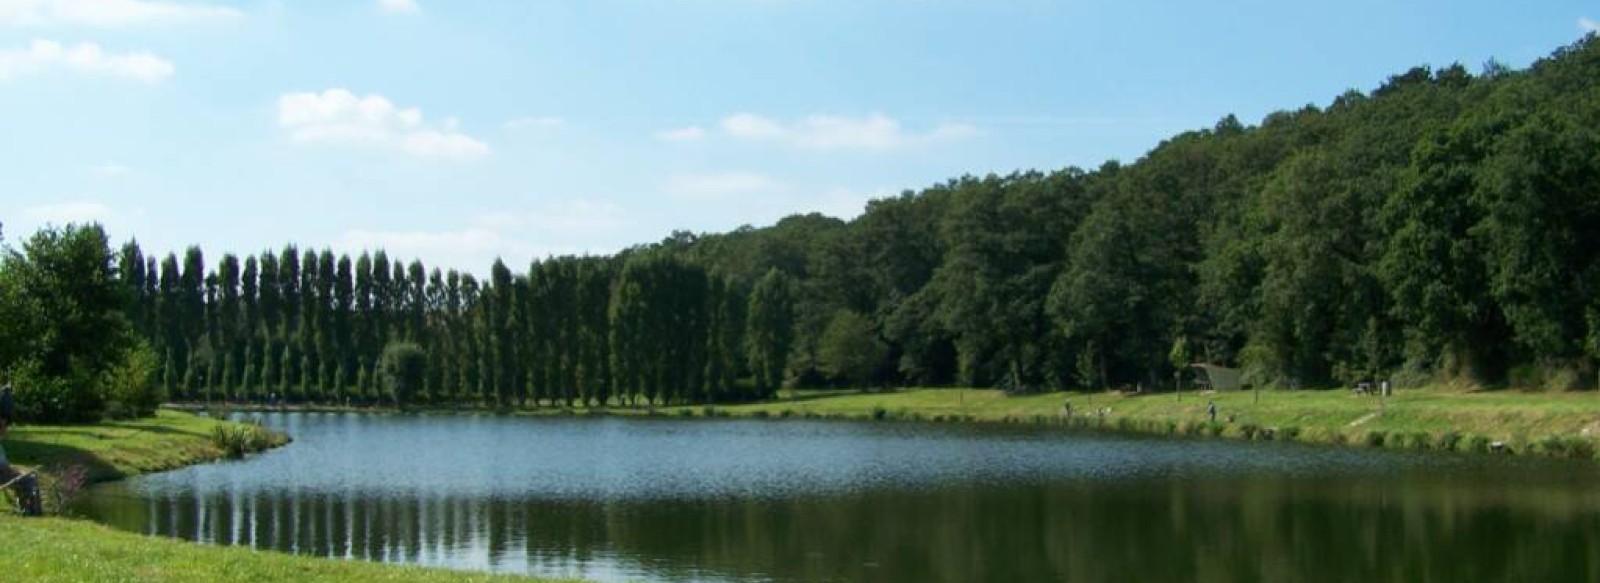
<point>1563,425</point>
<point>114,450</point>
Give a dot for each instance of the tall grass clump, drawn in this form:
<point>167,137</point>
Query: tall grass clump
<point>238,439</point>
<point>1418,440</point>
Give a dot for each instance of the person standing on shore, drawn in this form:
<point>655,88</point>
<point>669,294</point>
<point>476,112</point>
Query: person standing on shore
<point>1211,410</point>
<point>26,486</point>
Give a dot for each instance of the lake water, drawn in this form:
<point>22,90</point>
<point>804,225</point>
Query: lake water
<point>699,500</point>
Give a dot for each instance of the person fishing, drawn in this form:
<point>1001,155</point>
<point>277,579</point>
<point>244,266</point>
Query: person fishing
<point>26,486</point>
<point>1211,410</point>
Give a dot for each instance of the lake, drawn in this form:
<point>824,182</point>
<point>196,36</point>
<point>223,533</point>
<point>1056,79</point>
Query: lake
<point>621,499</point>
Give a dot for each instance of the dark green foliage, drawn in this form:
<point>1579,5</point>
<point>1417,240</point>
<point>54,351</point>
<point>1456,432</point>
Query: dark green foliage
<point>65,330</point>
<point>770,335</point>
<point>403,366</point>
<point>849,349</point>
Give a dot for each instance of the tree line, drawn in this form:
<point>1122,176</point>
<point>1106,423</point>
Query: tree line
<point>312,326</point>
<point>1444,226</point>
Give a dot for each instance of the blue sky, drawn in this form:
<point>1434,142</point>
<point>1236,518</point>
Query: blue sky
<point>457,131</point>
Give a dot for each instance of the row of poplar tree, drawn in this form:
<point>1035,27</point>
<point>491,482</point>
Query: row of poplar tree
<point>309,326</point>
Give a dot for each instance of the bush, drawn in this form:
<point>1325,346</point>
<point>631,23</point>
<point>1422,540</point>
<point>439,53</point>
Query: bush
<point>1449,441</point>
<point>237,439</point>
<point>1476,444</point>
<point>760,414</point>
<point>1419,440</point>
<point>131,387</point>
<point>1289,433</point>
<point>786,413</point>
<point>59,485</point>
<point>1249,430</point>
<point>879,413</point>
<point>402,366</point>
<point>45,399</point>
<point>1376,438</point>
<point>1215,429</point>
<point>1572,447</point>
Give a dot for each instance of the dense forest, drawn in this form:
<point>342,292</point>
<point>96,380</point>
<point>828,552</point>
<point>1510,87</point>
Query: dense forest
<point>1443,227</point>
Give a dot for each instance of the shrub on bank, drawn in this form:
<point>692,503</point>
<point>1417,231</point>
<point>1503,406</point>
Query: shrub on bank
<point>1419,440</point>
<point>1476,444</point>
<point>1376,438</point>
<point>1450,441</point>
<point>237,439</point>
<point>1569,447</point>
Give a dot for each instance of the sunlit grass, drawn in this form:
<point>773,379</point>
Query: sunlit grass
<point>69,551</point>
<point>114,449</point>
<point>1543,423</point>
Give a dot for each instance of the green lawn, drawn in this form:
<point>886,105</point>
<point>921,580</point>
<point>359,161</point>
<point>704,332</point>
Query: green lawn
<point>115,449</point>
<point>1524,421</point>
<point>70,551</point>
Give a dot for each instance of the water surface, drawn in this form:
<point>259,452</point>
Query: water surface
<point>788,501</point>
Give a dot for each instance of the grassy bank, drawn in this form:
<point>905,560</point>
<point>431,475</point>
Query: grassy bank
<point>1559,424</point>
<point>116,449</point>
<point>70,551</point>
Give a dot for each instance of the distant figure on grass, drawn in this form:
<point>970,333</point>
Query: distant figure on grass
<point>1066,408</point>
<point>1211,410</point>
<point>26,486</point>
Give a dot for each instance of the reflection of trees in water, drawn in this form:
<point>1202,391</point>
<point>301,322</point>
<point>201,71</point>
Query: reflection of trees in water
<point>1268,530</point>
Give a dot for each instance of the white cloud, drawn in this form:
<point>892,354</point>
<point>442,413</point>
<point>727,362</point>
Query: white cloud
<point>688,134</point>
<point>86,58</point>
<point>399,6</point>
<point>109,13</point>
<point>830,132</point>
<point>337,116</point>
<point>532,122</point>
<point>68,212</point>
<point>723,186</point>
<point>1588,25</point>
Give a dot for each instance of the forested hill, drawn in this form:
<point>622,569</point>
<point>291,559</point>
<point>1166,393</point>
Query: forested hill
<point>1444,225</point>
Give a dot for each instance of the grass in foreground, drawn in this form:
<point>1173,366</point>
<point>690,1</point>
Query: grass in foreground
<point>68,551</point>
